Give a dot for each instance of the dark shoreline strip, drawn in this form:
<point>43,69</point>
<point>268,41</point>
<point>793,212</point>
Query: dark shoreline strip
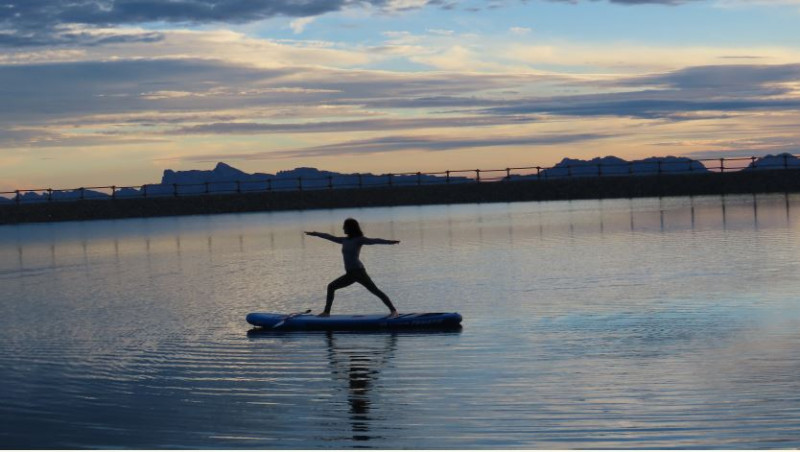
<point>778,181</point>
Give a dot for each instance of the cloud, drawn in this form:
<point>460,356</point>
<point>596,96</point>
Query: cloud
<point>378,124</point>
<point>638,2</point>
<point>624,57</point>
<point>117,12</point>
<point>403,143</point>
<point>678,95</point>
<point>141,96</point>
<point>440,32</point>
<point>168,98</point>
<point>429,144</point>
<point>68,35</point>
<point>44,138</point>
<point>39,22</point>
<point>105,102</point>
<point>645,105</point>
<point>226,45</point>
<point>753,80</point>
<point>50,91</point>
<point>299,25</point>
<point>515,53</point>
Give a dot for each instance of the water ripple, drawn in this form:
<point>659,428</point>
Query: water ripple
<point>614,324</point>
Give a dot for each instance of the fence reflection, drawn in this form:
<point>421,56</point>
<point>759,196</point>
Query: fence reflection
<point>452,227</point>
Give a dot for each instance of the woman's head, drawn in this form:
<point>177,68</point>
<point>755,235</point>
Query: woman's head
<point>352,228</point>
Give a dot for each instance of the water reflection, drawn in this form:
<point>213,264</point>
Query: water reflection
<point>357,364</point>
<point>581,217</point>
<point>645,323</point>
<point>358,361</point>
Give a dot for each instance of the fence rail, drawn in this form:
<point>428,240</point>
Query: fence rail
<point>653,166</point>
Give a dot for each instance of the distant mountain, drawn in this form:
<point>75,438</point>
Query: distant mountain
<point>56,195</point>
<point>772,162</point>
<point>227,179</point>
<point>615,166</point>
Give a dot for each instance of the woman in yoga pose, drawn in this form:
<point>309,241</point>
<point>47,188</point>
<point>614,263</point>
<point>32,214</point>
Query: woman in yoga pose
<point>354,269</point>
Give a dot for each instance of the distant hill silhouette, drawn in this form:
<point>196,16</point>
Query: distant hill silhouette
<point>615,166</point>
<point>227,179</point>
<point>56,195</point>
<point>773,162</point>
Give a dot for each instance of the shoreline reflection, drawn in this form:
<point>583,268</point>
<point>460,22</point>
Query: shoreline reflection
<point>607,217</point>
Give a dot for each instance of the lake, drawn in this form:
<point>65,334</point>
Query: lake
<point>643,323</point>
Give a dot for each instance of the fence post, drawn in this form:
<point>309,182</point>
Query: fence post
<point>144,191</point>
<point>659,166</point>
<point>18,198</point>
<point>508,174</point>
<point>83,193</point>
<point>360,181</point>
<point>419,178</point>
<point>330,182</point>
<point>175,190</point>
<point>753,162</point>
<point>300,183</point>
<point>538,173</point>
<point>113,192</point>
<point>50,195</point>
<point>785,161</point>
<point>447,177</point>
<point>722,165</point>
<point>478,176</point>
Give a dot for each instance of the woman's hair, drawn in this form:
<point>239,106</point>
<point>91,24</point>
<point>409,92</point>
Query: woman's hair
<point>352,228</point>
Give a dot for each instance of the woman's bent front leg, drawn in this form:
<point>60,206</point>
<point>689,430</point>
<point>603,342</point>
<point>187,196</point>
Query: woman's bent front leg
<point>336,284</point>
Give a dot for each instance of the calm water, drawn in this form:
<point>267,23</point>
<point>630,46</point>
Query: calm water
<point>617,323</point>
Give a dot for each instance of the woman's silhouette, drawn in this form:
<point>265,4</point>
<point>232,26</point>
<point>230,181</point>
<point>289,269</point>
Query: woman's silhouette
<point>354,269</point>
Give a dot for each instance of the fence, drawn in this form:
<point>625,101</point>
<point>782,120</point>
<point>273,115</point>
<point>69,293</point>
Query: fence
<point>595,168</point>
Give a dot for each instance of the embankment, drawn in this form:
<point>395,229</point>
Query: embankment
<point>777,181</point>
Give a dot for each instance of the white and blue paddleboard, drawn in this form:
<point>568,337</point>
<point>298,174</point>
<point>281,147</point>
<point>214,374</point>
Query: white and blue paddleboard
<point>339,322</point>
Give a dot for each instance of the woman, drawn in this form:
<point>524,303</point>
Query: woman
<point>354,269</point>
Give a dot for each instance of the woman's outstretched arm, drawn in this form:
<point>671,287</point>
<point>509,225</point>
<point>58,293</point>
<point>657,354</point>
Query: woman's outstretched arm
<point>369,241</point>
<point>325,236</point>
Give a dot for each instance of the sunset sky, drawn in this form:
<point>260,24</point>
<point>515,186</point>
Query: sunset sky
<point>112,92</point>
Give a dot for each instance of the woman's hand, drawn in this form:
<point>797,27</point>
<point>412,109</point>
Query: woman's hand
<point>312,233</point>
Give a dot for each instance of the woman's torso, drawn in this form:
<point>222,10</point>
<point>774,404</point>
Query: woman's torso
<point>351,248</point>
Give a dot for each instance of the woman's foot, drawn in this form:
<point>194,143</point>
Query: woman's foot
<point>393,314</point>
<point>324,314</point>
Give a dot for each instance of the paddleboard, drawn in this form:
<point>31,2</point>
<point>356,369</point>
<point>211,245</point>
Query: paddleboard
<point>342,322</point>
